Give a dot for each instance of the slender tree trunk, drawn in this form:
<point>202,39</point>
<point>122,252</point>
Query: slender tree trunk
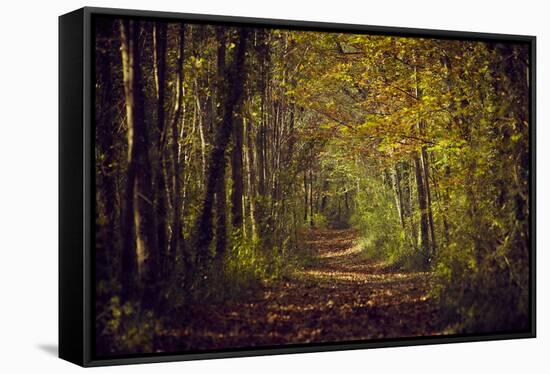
<point>426,177</point>
<point>159,53</point>
<point>423,184</point>
<point>108,256</point>
<point>220,191</point>
<point>176,242</point>
<point>311,223</point>
<point>324,198</point>
<point>237,169</point>
<point>306,193</point>
<point>203,100</point>
<point>318,179</point>
<point>129,261</point>
<point>443,206</point>
<point>423,207</point>
<point>139,199</point>
<point>201,119</point>
<point>411,175</point>
<point>262,50</point>
<point>396,183</point>
<point>217,162</point>
<point>251,177</point>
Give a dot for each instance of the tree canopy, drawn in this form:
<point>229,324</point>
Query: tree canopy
<point>225,157</point>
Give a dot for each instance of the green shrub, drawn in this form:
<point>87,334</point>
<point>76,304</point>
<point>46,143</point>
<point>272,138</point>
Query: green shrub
<point>381,235</point>
<point>482,296</point>
<point>320,221</point>
<point>127,327</point>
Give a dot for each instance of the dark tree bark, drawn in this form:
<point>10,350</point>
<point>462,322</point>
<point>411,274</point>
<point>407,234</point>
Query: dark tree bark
<point>427,232</point>
<point>396,183</point>
<point>306,193</point>
<point>129,259</point>
<point>251,177</point>
<point>262,52</point>
<point>426,177</point>
<point>176,242</point>
<point>311,223</point>
<point>107,139</point>
<point>324,198</point>
<point>205,104</point>
<point>443,205</point>
<point>139,218</point>
<point>159,36</point>
<point>220,191</point>
<point>217,161</point>
<point>237,168</point>
<point>423,207</point>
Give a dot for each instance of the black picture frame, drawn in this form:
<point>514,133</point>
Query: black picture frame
<point>76,185</point>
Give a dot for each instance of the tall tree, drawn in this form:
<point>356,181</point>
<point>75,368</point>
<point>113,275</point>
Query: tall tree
<point>220,190</point>
<point>159,54</point>
<point>237,169</point>
<point>140,241</point>
<point>176,242</point>
<point>427,239</point>
<point>108,146</point>
<point>217,161</point>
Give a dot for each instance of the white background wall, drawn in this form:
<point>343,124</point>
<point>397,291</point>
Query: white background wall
<point>28,183</point>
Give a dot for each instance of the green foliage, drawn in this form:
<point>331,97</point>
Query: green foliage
<point>473,295</point>
<point>127,327</point>
<point>420,144</point>
<point>245,266</point>
<point>320,221</point>
<point>382,237</point>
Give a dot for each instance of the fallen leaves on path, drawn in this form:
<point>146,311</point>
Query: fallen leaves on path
<point>341,296</point>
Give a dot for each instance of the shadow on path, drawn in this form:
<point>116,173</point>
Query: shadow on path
<point>338,296</point>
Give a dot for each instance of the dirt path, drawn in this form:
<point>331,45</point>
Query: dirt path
<point>339,296</point>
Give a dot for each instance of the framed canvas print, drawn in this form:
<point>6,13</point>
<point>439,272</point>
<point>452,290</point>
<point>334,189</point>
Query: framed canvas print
<point>235,186</point>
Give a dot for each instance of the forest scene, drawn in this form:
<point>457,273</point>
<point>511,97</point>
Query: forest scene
<point>261,187</point>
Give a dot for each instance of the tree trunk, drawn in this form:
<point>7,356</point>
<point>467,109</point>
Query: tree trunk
<point>324,198</point>
<point>426,177</point>
<point>176,242</point>
<point>139,218</point>
<point>396,183</point>
<point>262,50</point>
<point>251,177</point>
<point>311,223</point>
<point>220,192</point>
<point>129,258</point>
<point>423,207</point>
<point>306,192</point>
<point>423,184</point>
<point>217,162</point>
<point>237,169</point>
<point>159,53</point>
<point>108,255</point>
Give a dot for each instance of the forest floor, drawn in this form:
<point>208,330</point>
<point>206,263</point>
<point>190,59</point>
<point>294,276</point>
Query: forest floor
<point>338,295</point>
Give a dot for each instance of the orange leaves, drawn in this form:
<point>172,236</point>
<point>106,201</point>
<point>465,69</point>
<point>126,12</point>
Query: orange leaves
<point>340,296</point>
